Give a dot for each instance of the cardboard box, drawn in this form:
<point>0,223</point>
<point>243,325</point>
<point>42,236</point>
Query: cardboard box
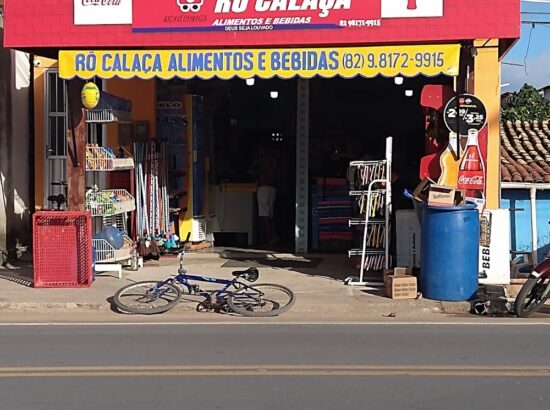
<point>398,271</point>
<point>402,271</point>
<point>422,190</point>
<point>460,197</point>
<point>401,287</point>
<point>441,195</point>
<point>387,273</point>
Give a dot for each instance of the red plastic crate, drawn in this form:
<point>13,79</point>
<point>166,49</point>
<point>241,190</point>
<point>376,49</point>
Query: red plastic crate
<point>62,243</point>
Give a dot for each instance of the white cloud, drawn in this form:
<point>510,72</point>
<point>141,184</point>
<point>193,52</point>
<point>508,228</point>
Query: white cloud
<point>538,73</point>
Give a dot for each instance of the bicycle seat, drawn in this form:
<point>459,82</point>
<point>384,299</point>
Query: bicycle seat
<point>59,199</point>
<point>251,274</point>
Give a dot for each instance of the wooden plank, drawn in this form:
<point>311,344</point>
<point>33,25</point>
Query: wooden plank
<point>77,136</point>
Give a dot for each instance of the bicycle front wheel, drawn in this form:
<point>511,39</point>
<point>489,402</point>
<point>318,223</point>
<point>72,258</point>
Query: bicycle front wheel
<point>263,300</point>
<point>530,297</point>
<point>147,298</point>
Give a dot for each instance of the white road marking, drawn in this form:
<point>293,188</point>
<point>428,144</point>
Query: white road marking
<point>543,322</point>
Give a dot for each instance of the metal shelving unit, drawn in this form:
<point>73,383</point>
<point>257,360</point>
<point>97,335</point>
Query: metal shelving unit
<point>110,206</point>
<point>375,176</point>
<point>104,159</point>
<point>110,202</point>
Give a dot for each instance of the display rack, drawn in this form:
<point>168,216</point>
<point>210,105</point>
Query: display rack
<point>370,184</point>
<point>110,109</point>
<point>109,202</point>
<point>104,159</point>
<point>106,253</point>
<point>110,206</point>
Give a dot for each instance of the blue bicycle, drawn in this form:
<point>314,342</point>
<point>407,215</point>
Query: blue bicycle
<point>261,300</point>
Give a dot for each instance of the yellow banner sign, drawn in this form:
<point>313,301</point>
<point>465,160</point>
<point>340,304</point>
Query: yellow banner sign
<point>347,62</point>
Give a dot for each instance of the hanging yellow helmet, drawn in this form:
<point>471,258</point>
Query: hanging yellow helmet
<point>90,95</point>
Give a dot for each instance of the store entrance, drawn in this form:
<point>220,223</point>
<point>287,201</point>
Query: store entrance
<point>243,120</point>
<point>349,119</point>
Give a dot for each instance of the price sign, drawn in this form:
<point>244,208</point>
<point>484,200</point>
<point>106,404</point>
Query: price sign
<point>469,113</point>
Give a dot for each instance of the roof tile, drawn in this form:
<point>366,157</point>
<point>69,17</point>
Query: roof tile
<point>525,151</point>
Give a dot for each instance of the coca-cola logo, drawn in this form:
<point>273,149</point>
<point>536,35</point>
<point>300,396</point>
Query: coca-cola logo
<point>101,2</point>
<point>100,12</point>
<point>473,180</point>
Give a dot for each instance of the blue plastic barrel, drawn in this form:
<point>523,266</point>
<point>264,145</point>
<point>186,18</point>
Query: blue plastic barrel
<point>449,252</point>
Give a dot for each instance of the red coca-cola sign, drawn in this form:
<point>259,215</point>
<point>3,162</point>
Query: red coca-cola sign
<point>471,180</point>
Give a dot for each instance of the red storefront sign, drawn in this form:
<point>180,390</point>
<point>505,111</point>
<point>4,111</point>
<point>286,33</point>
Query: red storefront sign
<point>195,23</point>
<point>257,15</point>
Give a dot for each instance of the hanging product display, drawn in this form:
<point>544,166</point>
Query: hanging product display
<point>112,247</point>
<point>376,205</point>
<point>370,182</point>
<point>376,234</point>
<point>151,198</point>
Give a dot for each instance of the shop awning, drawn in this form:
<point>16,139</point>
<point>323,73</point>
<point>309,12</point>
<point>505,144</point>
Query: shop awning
<point>347,62</point>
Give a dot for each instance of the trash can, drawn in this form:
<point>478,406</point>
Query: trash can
<point>449,252</point>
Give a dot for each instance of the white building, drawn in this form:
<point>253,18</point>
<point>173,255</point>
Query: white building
<point>545,92</point>
<point>15,149</point>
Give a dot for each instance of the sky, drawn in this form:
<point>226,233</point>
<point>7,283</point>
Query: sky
<point>533,56</point>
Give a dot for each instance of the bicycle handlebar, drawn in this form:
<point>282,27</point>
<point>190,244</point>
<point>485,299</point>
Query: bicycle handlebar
<point>182,253</point>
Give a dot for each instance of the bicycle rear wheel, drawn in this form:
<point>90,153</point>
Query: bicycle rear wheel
<point>530,297</point>
<point>147,298</point>
<point>262,300</point>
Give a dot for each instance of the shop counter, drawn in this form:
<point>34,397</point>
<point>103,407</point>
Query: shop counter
<point>235,209</point>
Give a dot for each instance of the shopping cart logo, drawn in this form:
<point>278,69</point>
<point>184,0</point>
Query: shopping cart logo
<point>412,8</point>
<point>190,5</point>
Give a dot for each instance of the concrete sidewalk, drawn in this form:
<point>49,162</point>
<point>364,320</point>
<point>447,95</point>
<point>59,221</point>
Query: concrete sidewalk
<point>320,291</point>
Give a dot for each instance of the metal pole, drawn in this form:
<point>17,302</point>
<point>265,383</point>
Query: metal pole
<point>302,168</point>
<point>389,201</point>
<point>534,233</point>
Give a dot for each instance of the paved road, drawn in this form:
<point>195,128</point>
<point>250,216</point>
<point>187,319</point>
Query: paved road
<point>229,366</point>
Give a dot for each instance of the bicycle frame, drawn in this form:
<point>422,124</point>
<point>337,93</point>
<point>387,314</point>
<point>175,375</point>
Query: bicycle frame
<point>185,279</point>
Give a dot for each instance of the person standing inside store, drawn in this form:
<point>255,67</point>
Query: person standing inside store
<point>268,179</point>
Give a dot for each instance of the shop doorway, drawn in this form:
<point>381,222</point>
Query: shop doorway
<point>349,119</point>
<point>55,142</point>
<point>240,119</point>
